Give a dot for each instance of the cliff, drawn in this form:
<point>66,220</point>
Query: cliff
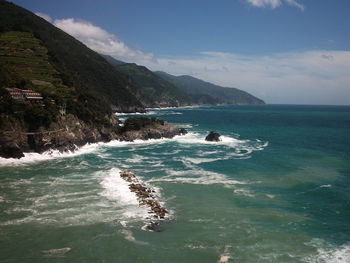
<point>69,132</point>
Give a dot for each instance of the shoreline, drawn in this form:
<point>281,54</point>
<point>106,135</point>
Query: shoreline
<point>76,133</point>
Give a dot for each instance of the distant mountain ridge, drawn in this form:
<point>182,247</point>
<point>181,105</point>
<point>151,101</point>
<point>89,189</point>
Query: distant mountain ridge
<point>202,92</point>
<point>150,89</point>
<point>153,87</point>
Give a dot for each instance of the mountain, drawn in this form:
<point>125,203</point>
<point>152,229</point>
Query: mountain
<point>150,89</point>
<point>111,60</point>
<point>202,92</point>
<point>55,93</point>
<point>88,75</point>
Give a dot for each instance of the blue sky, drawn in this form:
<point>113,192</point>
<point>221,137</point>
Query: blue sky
<point>283,51</point>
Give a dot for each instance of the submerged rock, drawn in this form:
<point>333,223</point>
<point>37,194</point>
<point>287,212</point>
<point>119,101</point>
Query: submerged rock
<point>213,137</point>
<point>56,251</point>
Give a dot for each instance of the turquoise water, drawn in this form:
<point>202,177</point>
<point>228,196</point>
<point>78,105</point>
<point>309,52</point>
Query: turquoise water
<point>275,189</point>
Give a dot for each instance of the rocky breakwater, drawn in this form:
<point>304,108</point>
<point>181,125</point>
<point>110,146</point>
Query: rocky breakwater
<point>146,196</point>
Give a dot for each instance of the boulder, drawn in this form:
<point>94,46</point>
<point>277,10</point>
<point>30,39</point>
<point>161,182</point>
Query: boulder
<point>182,131</point>
<point>11,150</point>
<point>213,137</point>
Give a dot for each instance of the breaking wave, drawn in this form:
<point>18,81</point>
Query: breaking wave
<point>327,253</point>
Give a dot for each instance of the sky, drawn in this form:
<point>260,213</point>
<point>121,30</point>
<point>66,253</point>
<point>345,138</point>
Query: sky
<point>282,51</point>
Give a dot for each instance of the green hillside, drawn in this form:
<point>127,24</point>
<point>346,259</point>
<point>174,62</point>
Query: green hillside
<point>202,92</point>
<point>77,67</point>
<point>24,64</point>
<point>150,89</point>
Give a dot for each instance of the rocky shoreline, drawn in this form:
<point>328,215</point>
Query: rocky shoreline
<point>69,133</point>
<point>146,196</point>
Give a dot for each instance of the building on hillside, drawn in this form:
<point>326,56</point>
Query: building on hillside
<point>16,94</point>
<point>26,95</point>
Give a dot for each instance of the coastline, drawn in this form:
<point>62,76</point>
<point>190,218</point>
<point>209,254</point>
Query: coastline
<point>70,133</point>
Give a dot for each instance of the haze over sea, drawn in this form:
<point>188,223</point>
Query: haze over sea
<point>275,189</point>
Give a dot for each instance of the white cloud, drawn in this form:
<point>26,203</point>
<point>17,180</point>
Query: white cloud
<point>45,16</point>
<point>311,77</point>
<point>100,40</point>
<point>296,4</point>
<point>275,3</point>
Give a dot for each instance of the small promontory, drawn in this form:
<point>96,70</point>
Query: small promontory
<point>69,132</point>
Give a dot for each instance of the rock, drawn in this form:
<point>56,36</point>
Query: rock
<point>11,150</point>
<point>182,131</point>
<point>213,137</point>
<point>146,198</point>
<point>153,226</point>
<point>69,133</point>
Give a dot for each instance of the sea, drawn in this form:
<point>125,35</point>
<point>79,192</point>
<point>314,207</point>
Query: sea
<point>276,188</point>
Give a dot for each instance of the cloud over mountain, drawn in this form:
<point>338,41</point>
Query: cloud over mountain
<point>100,40</point>
<point>314,76</point>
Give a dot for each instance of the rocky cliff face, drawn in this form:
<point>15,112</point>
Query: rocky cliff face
<point>69,132</point>
<point>66,134</point>
<point>154,132</point>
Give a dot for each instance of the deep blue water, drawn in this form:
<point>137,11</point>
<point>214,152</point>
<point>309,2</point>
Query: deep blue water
<point>275,189</point>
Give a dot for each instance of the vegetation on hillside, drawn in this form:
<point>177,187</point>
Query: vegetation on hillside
<point>150,89</point>
<point>95,82</point>
<point>137,123</point>
<point>203,92</point>
<point>38,56</point>
<point>25,64</point>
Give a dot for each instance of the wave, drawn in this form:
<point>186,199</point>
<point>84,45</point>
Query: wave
<point>159,112</point>
<point>117,189</point>
<point>75,200</point>
<point>240,148</point>
<point>48,155</point>
<point>329,253</point>
<point>197,176</point>
<point>86,149</point>
<point>244,192</point>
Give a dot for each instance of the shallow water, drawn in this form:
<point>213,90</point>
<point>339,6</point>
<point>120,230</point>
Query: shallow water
<point>275,189</point>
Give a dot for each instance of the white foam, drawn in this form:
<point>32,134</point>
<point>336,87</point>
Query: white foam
<point>49,155</point>
<point>225,257</point>
<point>201,160</point>
<point>117,189</point>
<point>185,125</point>
<point>242,148</point>
<point>326,186</point>
<point>158,112</point>
<point>129,236</point>
<point>86,149</point>
<point>243,192</point>
<point>197,176</point>
<point>327,253</point>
